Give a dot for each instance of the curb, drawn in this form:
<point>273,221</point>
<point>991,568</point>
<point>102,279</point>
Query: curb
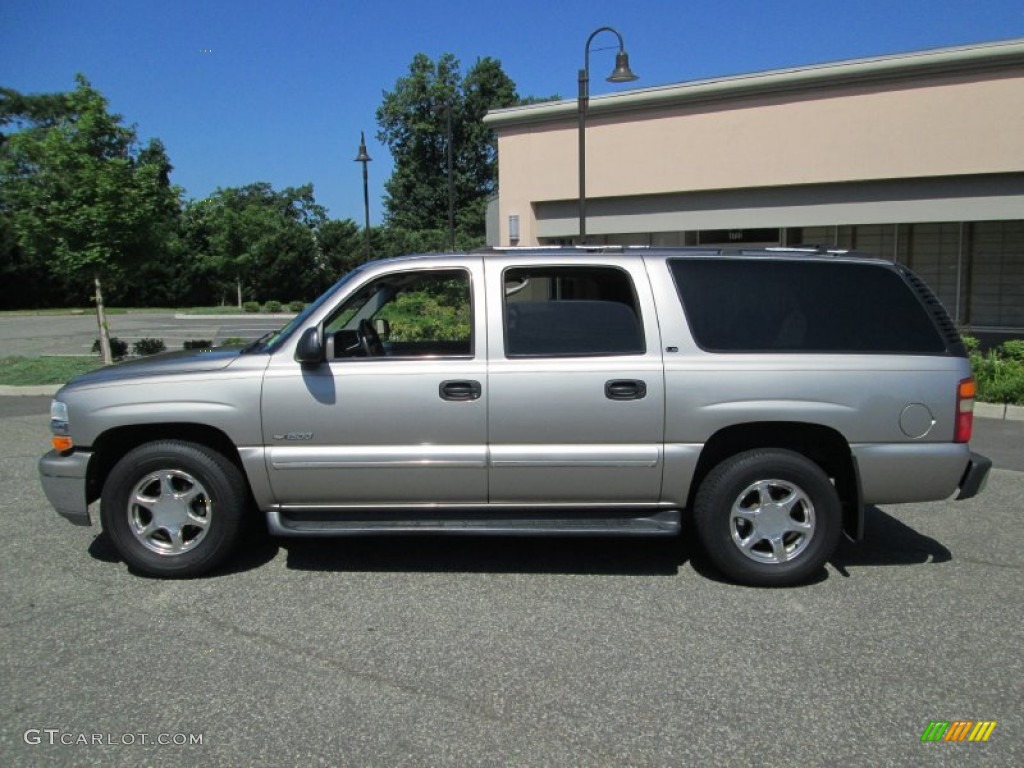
<point>245,316</point>
<point>999,411</point>
<point>38,390</point>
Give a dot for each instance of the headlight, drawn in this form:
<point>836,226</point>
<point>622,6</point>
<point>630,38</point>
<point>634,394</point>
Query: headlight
<point>58,417</point>
<point>60,426</point>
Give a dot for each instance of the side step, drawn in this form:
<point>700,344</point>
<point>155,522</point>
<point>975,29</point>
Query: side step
<point>504,522</point>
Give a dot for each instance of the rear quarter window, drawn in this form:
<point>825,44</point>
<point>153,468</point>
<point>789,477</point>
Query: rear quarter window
<point>742,305</point>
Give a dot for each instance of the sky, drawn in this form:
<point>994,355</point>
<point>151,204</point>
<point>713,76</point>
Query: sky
<point>241,91</point>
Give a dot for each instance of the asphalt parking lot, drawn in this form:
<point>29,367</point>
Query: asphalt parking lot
<point>35,335</point>
<point>433,652</point>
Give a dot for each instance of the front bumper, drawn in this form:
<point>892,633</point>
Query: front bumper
<point>975,476</point>
<point>63,479</point>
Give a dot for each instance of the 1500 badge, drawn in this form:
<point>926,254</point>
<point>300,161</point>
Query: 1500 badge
<point>294,436</point>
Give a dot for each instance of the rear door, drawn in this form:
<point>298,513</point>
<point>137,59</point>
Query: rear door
<point>575,382</point>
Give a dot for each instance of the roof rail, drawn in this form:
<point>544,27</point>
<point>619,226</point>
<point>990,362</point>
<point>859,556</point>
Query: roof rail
<point>533,248</point>
<point>723,250</point>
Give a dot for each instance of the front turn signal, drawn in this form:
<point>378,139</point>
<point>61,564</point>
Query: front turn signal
<point>62,443</point>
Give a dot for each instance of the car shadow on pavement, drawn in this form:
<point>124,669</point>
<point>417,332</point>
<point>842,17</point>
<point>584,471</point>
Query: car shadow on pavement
<point>251,554</point>
<point>887,541</point>
<point>487,554</point>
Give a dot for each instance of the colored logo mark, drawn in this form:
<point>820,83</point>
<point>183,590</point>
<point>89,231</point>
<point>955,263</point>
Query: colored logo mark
<point>958,730</point>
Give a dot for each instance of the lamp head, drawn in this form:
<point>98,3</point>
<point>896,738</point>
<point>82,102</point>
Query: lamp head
<point>363,156</point>
<point>622,73</point>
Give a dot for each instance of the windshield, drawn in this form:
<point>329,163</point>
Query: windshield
<point>276,339</point>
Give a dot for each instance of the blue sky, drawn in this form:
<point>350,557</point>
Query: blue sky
<point>265,90</point>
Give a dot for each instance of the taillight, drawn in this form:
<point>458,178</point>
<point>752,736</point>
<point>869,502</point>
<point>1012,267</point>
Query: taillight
<point>964,411</point>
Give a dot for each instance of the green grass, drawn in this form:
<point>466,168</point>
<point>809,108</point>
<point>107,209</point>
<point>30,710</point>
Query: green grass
<point>131,311</point>
<point>91,311</point>
<point>25,371</point>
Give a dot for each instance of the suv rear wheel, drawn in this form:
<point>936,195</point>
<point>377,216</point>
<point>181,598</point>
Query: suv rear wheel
<point>768,517</point>
<point>173,508</point>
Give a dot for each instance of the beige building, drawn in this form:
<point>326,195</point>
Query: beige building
<point>916,157</point>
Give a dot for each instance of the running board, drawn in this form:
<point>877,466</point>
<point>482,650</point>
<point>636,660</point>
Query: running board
<point>293,522</point>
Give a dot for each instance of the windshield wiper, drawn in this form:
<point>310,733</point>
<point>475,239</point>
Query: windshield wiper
<point>252,345</point>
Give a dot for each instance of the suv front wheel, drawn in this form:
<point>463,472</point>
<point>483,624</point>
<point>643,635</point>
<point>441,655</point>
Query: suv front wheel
<point>768,517</point>
<point>173,508</point>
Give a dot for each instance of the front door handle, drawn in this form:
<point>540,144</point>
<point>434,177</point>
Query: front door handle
<point>460,390</point>
<point>625,389</point>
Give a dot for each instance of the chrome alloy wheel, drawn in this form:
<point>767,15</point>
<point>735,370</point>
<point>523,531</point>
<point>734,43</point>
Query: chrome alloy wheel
<point>772,521</point>
<point>169,512</point>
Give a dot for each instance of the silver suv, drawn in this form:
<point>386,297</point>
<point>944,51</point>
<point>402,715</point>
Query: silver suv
<point>772,394</point>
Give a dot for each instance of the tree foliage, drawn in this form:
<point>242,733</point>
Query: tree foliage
<point>273,244</point>
<point>413,124</point>
<point>77,191</point>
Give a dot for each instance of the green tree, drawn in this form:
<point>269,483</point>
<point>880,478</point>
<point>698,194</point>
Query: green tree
<point>412,123</point>
<point>259,241</point>
<point>342,247</point>
<point>78,192</point>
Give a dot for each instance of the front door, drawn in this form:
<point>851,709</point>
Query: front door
<point>397,414</point>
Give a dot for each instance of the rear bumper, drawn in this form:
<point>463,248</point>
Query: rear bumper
<point>975,476</point>
<point>63,480</point>
<point>901,473</point>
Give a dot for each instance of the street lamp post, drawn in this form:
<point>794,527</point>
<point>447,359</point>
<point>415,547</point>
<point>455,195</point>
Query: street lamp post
<point>450,149</point>
<point>621,74</point>
<point>364,158</point>
<point>451,169</point>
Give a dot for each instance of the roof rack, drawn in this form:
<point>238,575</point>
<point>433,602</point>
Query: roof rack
<point>534,248</point>
<point>816,250</point>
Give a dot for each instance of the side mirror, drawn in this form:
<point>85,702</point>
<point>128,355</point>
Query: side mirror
<point>382,327</point>
<point>310,350</point>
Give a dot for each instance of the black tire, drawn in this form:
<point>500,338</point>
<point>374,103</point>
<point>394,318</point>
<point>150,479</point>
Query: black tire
<point>768,517</point>
<point>173,508</point>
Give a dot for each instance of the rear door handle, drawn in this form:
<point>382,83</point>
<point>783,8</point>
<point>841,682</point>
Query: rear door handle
<point>625,389</point>
<point>460,390</point>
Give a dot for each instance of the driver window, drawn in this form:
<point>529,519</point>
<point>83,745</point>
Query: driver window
<point>425,313</point>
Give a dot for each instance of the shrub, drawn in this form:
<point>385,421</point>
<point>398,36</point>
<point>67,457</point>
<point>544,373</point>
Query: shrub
<point>251,306</point>
<point>148,346</point>
<point>231,341</point>
<point>297,306</point>
<point>197,344</point>
<point>999,372</point>
<point>1013,350</point>
<point>118,348</point>
<point>272,306</point>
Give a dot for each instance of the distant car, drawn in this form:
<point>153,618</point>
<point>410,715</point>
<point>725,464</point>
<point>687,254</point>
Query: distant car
<point>771,394</point>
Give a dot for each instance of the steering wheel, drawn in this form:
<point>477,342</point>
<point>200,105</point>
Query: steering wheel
<point>369,339</point>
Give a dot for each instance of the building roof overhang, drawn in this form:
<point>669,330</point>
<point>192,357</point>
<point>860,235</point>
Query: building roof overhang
<point>997,56</point>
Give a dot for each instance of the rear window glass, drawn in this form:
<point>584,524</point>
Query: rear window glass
<point>571,312</point>
<point>741,305</point>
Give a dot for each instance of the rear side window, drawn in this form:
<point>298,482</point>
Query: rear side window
<point>741,305</point>
<point>571,312</point>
